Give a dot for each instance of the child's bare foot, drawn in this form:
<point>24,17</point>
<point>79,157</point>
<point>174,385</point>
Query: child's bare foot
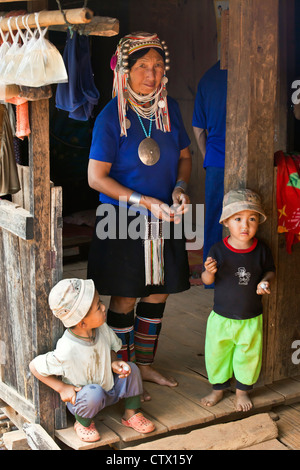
<point>213,398</point>
<point>145,395</point>
<point>243,402</point>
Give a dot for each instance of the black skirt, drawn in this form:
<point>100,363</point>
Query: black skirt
<point>116,263</point>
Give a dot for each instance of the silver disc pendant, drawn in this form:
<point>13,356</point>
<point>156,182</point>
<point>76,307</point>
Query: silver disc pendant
<point>149,151</point>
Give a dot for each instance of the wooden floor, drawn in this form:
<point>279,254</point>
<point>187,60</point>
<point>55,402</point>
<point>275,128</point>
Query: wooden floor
<point>181,354</point>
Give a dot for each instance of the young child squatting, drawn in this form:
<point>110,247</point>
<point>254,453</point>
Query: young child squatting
<point>84,368</point>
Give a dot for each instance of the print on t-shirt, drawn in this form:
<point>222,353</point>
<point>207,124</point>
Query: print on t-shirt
<point>244,276</point>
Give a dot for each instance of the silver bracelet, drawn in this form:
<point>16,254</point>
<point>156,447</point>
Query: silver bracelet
<point>135,198</point>
<point>182,185</point>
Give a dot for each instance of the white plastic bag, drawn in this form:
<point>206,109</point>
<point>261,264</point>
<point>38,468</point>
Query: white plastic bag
<point>5,44</point>
<point>15,56</point>
<point>8,52</point>
<point>42,64</point>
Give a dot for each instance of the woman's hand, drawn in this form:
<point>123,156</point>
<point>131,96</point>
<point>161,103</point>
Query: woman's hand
<point>158,208</point>
<point>181,201</point>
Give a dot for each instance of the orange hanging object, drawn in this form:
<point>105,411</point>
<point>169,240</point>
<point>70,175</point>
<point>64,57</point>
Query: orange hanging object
<point>22,117</point>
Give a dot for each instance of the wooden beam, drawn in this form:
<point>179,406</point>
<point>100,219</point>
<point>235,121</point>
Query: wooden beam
<point>17,402</point>
<point>224,40</point>
<point>16,220</point>
<point>38,438</point>
<point>98,26</point>
<point>250,122</point>
<point>251,98</point>
<point>47,18</point>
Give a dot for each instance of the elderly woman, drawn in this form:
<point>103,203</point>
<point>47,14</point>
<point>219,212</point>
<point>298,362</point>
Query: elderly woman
<point>139,159</point>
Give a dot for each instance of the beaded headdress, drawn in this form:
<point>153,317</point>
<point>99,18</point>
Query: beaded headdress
<point>121,88</point>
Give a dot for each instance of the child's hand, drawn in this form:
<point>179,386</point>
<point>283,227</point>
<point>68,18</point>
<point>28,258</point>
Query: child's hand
<point>263,288</point>
<point>68,393</point>
<point>121,368</point>
<point>211,265</point>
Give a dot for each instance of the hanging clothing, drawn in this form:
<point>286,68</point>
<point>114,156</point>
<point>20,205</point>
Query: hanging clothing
<point>288,197</point>
<point>9,180</point>
<point>79,95</point>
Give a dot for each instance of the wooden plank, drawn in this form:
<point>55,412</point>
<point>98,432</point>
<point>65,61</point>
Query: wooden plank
<point>17,402</point>
<point>289,426</point>
<point>112,415</point>
<point>177,412</point>
<point>15,440</point>
<point>16,220</point>
<point>272,444</point>
<point>289,388</point>
<point>40,206</point>
<point>229,436</point>
<point>69,437</point>
<point>18,343</point>
<point>37,437</point>
<point>56,266</point>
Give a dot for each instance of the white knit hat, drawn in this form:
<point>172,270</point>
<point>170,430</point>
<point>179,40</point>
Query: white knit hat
<point>71,299</point>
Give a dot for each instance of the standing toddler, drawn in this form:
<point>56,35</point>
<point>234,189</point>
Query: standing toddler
<point>241,266</point>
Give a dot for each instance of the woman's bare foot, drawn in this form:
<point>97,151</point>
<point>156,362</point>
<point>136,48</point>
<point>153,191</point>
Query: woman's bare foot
<point>213,398</point>
<point>151,375</point>
<point>243,402</point>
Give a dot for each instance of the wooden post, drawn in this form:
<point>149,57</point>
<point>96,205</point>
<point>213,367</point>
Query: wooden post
<point>251,111</point>
<point>39,163</point>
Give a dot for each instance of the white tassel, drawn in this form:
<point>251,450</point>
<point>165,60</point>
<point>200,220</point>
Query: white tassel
<point>153,253</point>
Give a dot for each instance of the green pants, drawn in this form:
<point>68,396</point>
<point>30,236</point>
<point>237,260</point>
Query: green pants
<point>233,347</point>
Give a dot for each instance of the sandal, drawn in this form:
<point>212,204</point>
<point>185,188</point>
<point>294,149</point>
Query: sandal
<point>87,434</point>
<point>139,423</point>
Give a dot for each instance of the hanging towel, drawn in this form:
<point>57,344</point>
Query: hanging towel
<point>79,95</point>
<point>288,197</point>
<point>9,180</point>
<point>22,116</point>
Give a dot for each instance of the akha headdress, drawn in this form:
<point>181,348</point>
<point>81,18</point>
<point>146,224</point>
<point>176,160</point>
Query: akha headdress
<point>158,111</point>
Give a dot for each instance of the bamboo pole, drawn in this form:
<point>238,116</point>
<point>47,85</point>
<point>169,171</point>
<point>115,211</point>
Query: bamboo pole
<point>48,18</point>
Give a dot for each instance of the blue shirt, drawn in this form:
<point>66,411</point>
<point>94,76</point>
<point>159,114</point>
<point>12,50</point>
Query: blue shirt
<point>122,152</point>
<point>210,114</point>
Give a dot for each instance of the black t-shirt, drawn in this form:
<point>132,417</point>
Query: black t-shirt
<point>239,272</point>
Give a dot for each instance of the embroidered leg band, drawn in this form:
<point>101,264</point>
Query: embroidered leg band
<point>122,325</point>
<point>146,331</point>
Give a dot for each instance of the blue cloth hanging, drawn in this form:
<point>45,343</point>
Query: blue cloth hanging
<point>79,95</point>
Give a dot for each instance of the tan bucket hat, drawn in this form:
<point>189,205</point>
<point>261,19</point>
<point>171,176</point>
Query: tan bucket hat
<point>238,200</point>
<point>71,299</point>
